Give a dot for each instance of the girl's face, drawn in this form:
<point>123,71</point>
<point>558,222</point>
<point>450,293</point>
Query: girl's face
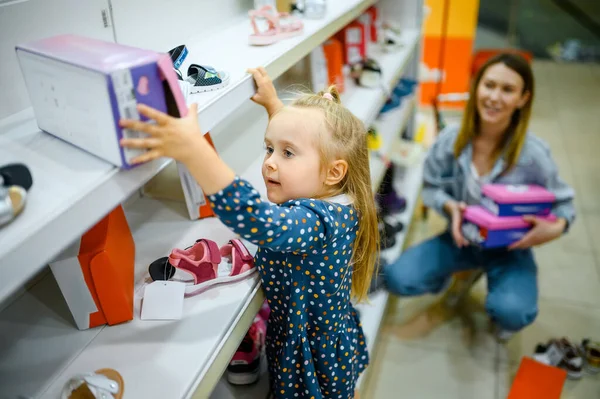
<point>499,94</point>
<point>292,165</point>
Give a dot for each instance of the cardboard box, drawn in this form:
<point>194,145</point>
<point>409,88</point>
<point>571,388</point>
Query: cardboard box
<point>80,88</point>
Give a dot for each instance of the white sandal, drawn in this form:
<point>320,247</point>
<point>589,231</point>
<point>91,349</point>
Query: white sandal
<point>103,384</point>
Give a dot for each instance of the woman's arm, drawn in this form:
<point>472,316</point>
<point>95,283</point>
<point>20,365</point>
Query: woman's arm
<point>437,162</point>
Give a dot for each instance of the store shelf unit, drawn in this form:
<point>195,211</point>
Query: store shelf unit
<point>39,346</point>
<point>73,190</point>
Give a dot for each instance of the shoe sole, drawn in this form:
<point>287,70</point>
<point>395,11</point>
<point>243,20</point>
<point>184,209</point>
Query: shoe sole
<point>243,378</point>
<point>204,89</point>
<point>191,290</point>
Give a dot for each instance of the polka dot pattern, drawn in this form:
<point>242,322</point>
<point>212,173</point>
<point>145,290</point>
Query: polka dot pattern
<point>315,345</point>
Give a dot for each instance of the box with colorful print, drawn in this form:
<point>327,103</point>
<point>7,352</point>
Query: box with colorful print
<point>516,200</point>
<point>486,230</point>
<point>80,88</point>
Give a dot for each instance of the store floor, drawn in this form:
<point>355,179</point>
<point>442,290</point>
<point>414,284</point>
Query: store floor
<point>440,356</point>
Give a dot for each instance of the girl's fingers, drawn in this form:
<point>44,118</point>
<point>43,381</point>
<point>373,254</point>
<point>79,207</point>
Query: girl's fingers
<point>146,157</point>
<point>145,127</point>
<point>140,143</point>
<point>262,71</point>
<point>160,117</point>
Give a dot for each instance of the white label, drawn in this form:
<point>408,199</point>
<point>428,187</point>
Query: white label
<point>124,92</point>
<point>353,36</point>
<point>163,300</point>
<point>517,188</point>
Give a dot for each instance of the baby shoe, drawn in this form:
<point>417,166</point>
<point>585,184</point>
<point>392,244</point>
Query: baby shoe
<point>103,384</point>
<point>244,367</point>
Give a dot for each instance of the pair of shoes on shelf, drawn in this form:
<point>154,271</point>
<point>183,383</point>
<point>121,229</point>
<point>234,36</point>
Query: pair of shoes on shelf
<point>102,384</point>
<point>367,73</point>
<point>244,367</point>
<point>15,181</point>
<point>280,25</point>
<point>310,9</point>
<point>200,78</point>
<point>404,88</point>
<point>201,263</point>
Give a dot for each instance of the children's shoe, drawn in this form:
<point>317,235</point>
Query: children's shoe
<point>591,351</point>
<point>561,353</point>
<point>244,368</point>
<point>103,384</point>
<point>204,78</point>
<point>280,25</point>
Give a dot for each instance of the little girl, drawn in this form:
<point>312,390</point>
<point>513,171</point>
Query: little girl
<point>317,239</point>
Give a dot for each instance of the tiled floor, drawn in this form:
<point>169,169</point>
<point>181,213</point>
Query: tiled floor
<point>427,354</point>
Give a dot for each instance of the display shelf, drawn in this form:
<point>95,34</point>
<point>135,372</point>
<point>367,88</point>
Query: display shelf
<point>73,190</point>
<point>366,102</point>
<point>390,126</point>
<point>408,185</point>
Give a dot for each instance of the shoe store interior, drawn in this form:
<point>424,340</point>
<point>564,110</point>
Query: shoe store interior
<point>427,228</point>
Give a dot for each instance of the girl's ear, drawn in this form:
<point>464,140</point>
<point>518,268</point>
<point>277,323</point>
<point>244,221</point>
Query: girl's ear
<point>336,172</point>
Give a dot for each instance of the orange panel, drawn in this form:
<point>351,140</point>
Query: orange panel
<point>462,18</point>
<point>457,66</point>
<point>535,380</point>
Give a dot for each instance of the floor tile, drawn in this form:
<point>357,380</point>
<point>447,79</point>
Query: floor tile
<point>412,372</point>
<point>569,276</point>
<point>555,319</point>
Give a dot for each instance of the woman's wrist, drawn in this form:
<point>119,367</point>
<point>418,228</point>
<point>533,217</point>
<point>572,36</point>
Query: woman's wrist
<point>449,206</point>
<point>561,225</point>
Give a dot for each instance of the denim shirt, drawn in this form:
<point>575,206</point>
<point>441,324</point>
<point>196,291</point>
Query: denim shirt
<point>444,177</point>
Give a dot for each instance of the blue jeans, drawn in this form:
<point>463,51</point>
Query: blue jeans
<point>512,277</point>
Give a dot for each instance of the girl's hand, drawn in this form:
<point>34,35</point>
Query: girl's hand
<point>266,95</point>
<point>542,232</point>
<point>456,210</point>
<point>168,137</point>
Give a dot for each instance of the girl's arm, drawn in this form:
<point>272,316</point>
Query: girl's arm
<point>303,225</point>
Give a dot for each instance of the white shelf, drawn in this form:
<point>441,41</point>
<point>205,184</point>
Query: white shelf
<point>408,185</point>
<point>390,126</point>
<point>365,102</point>
<point>73,190</point>
<point>41,348</point>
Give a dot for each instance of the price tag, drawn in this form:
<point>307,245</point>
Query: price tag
<point>163,300</point>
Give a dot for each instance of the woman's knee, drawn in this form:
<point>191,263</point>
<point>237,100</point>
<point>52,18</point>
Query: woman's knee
<point>511,311</point>
<point>404,277</point>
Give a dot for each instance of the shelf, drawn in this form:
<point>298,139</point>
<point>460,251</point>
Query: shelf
<point>365,102</point>
<point>408,185</point>
<point>390,126</point>
<point>73,190</point>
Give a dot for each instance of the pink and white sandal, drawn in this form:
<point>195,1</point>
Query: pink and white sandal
<point>242,262</point>
<point>281,25</point>
<point>202,261</point>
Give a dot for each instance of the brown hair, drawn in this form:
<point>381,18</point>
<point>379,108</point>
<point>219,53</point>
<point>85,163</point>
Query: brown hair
<point>514,137</point>
<point>349,142</point>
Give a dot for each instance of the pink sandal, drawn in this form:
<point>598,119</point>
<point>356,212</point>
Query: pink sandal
<point>276,29</point>
<point>202,261</point>
<point>242,262</point>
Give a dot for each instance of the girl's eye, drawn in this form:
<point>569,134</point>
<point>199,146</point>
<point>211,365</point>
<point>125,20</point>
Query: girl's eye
<point>489,85</point>
<point>269,150</point>
<point>287,154</point>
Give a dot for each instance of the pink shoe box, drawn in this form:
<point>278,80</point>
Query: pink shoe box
<point>516,200</point>
<point>484,229</point>
<point>80,88</point>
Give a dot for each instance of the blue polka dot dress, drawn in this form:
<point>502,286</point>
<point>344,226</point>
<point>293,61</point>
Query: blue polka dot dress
<point>315,344</point>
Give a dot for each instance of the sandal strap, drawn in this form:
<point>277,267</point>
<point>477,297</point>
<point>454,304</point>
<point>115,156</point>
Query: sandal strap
<point>99,385</point>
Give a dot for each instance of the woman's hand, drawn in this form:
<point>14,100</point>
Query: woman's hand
<point>455,210</point>
<point>542,232</point>
<point>168,137</point>
<point>266,95</point>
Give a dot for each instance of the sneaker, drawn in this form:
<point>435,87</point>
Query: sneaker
<point>562,354</point>
<point>591,351</point>
<point>244,368</point>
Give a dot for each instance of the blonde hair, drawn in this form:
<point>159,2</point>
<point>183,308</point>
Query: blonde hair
<point>515,135</point>
<point>349,142</point>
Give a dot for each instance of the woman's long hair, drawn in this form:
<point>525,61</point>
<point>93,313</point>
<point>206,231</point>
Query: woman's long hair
<point>514,138</point>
